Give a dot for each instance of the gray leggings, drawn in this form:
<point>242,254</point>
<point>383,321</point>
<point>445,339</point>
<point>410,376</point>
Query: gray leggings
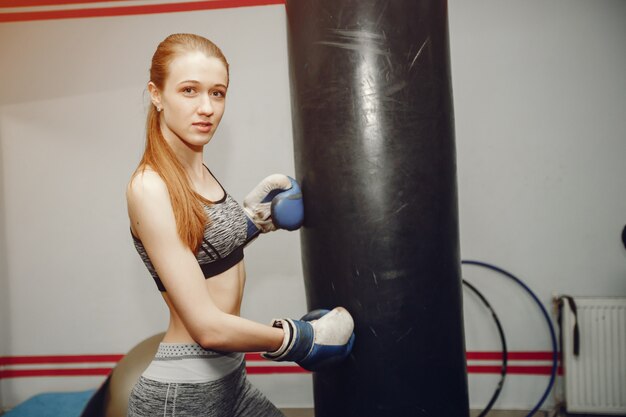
<point>229,396</point>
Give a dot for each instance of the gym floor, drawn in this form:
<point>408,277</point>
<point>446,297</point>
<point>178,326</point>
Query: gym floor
<point>308,412</point>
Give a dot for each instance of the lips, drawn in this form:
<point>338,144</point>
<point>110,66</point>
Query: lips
<point>204,127</point>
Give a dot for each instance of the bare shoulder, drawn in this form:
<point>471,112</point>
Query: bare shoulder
<point>146,186</point>
<point>149,206</point>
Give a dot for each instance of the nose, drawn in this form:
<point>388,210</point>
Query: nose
<point>206,106</point>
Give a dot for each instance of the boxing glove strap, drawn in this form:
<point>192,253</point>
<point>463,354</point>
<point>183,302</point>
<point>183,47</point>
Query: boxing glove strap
<point>297,343</point>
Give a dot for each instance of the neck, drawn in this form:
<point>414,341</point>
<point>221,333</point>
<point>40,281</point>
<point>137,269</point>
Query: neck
<point>191,161</point>
<point>190,157</point>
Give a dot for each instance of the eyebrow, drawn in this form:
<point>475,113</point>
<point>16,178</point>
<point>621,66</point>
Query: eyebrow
<point>198,82</point>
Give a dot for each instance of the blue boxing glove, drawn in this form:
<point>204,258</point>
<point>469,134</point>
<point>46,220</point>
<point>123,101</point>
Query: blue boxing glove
<point>276,203</point>
<point>320,339</point>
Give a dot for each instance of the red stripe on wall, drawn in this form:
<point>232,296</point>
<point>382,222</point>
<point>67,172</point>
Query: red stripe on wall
<point>38,3</point>
<point>513,370</point>
<point>30,360</point>
<point>133,10</point>
<point>22,373</point>
<point>19,373</point>
<point>512,356</point>
<point>494,356</point>
<point>254,357</point>
<point>22,360</point>
<point>262,369</point>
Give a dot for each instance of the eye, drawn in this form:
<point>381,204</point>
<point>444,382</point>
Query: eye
<point>218,93</point>
<point>188,90</point>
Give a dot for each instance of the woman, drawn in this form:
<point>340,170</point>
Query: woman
<point>190,234</point>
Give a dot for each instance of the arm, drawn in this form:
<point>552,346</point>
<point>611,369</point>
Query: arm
<point>152,220</point>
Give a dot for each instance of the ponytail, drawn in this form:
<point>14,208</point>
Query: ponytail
<point>187,204</point>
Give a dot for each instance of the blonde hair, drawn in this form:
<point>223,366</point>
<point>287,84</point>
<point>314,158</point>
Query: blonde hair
<point>187,204</point>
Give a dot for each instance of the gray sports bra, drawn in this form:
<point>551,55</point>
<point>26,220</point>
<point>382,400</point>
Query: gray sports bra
<point>223,242</point>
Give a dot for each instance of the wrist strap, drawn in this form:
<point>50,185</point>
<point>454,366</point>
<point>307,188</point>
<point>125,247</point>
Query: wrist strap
<point>288,340</point>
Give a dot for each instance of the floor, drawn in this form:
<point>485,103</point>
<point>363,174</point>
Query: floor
<point>308,412</point>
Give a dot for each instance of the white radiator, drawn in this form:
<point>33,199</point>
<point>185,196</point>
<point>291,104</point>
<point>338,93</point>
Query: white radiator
<point>595,380</point>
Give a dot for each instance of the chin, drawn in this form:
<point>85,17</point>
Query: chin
<point>199,141</point>
<point>207,140</point>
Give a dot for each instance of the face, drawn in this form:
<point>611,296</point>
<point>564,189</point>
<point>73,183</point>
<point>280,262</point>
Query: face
<point>192,99</point>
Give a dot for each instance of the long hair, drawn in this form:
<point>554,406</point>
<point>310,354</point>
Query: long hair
<point>190,216</point>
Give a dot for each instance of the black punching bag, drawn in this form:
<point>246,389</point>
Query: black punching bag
<point>374,150</point>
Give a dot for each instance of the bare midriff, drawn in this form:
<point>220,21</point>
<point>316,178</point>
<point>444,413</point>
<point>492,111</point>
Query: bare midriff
<point>226,290</point>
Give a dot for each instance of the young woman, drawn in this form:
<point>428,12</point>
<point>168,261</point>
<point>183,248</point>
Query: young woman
<point>190,233</point>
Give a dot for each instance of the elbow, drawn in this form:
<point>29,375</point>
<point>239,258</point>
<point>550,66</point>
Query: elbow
<point>212,337</point>
<point>213,341</point>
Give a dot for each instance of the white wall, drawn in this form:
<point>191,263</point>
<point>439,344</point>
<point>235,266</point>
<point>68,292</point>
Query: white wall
<point>5,321</point>
<point>540,103</point>
<point>539,97</point>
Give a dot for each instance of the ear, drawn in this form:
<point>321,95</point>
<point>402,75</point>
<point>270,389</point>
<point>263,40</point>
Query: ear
<point>155,95</point>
